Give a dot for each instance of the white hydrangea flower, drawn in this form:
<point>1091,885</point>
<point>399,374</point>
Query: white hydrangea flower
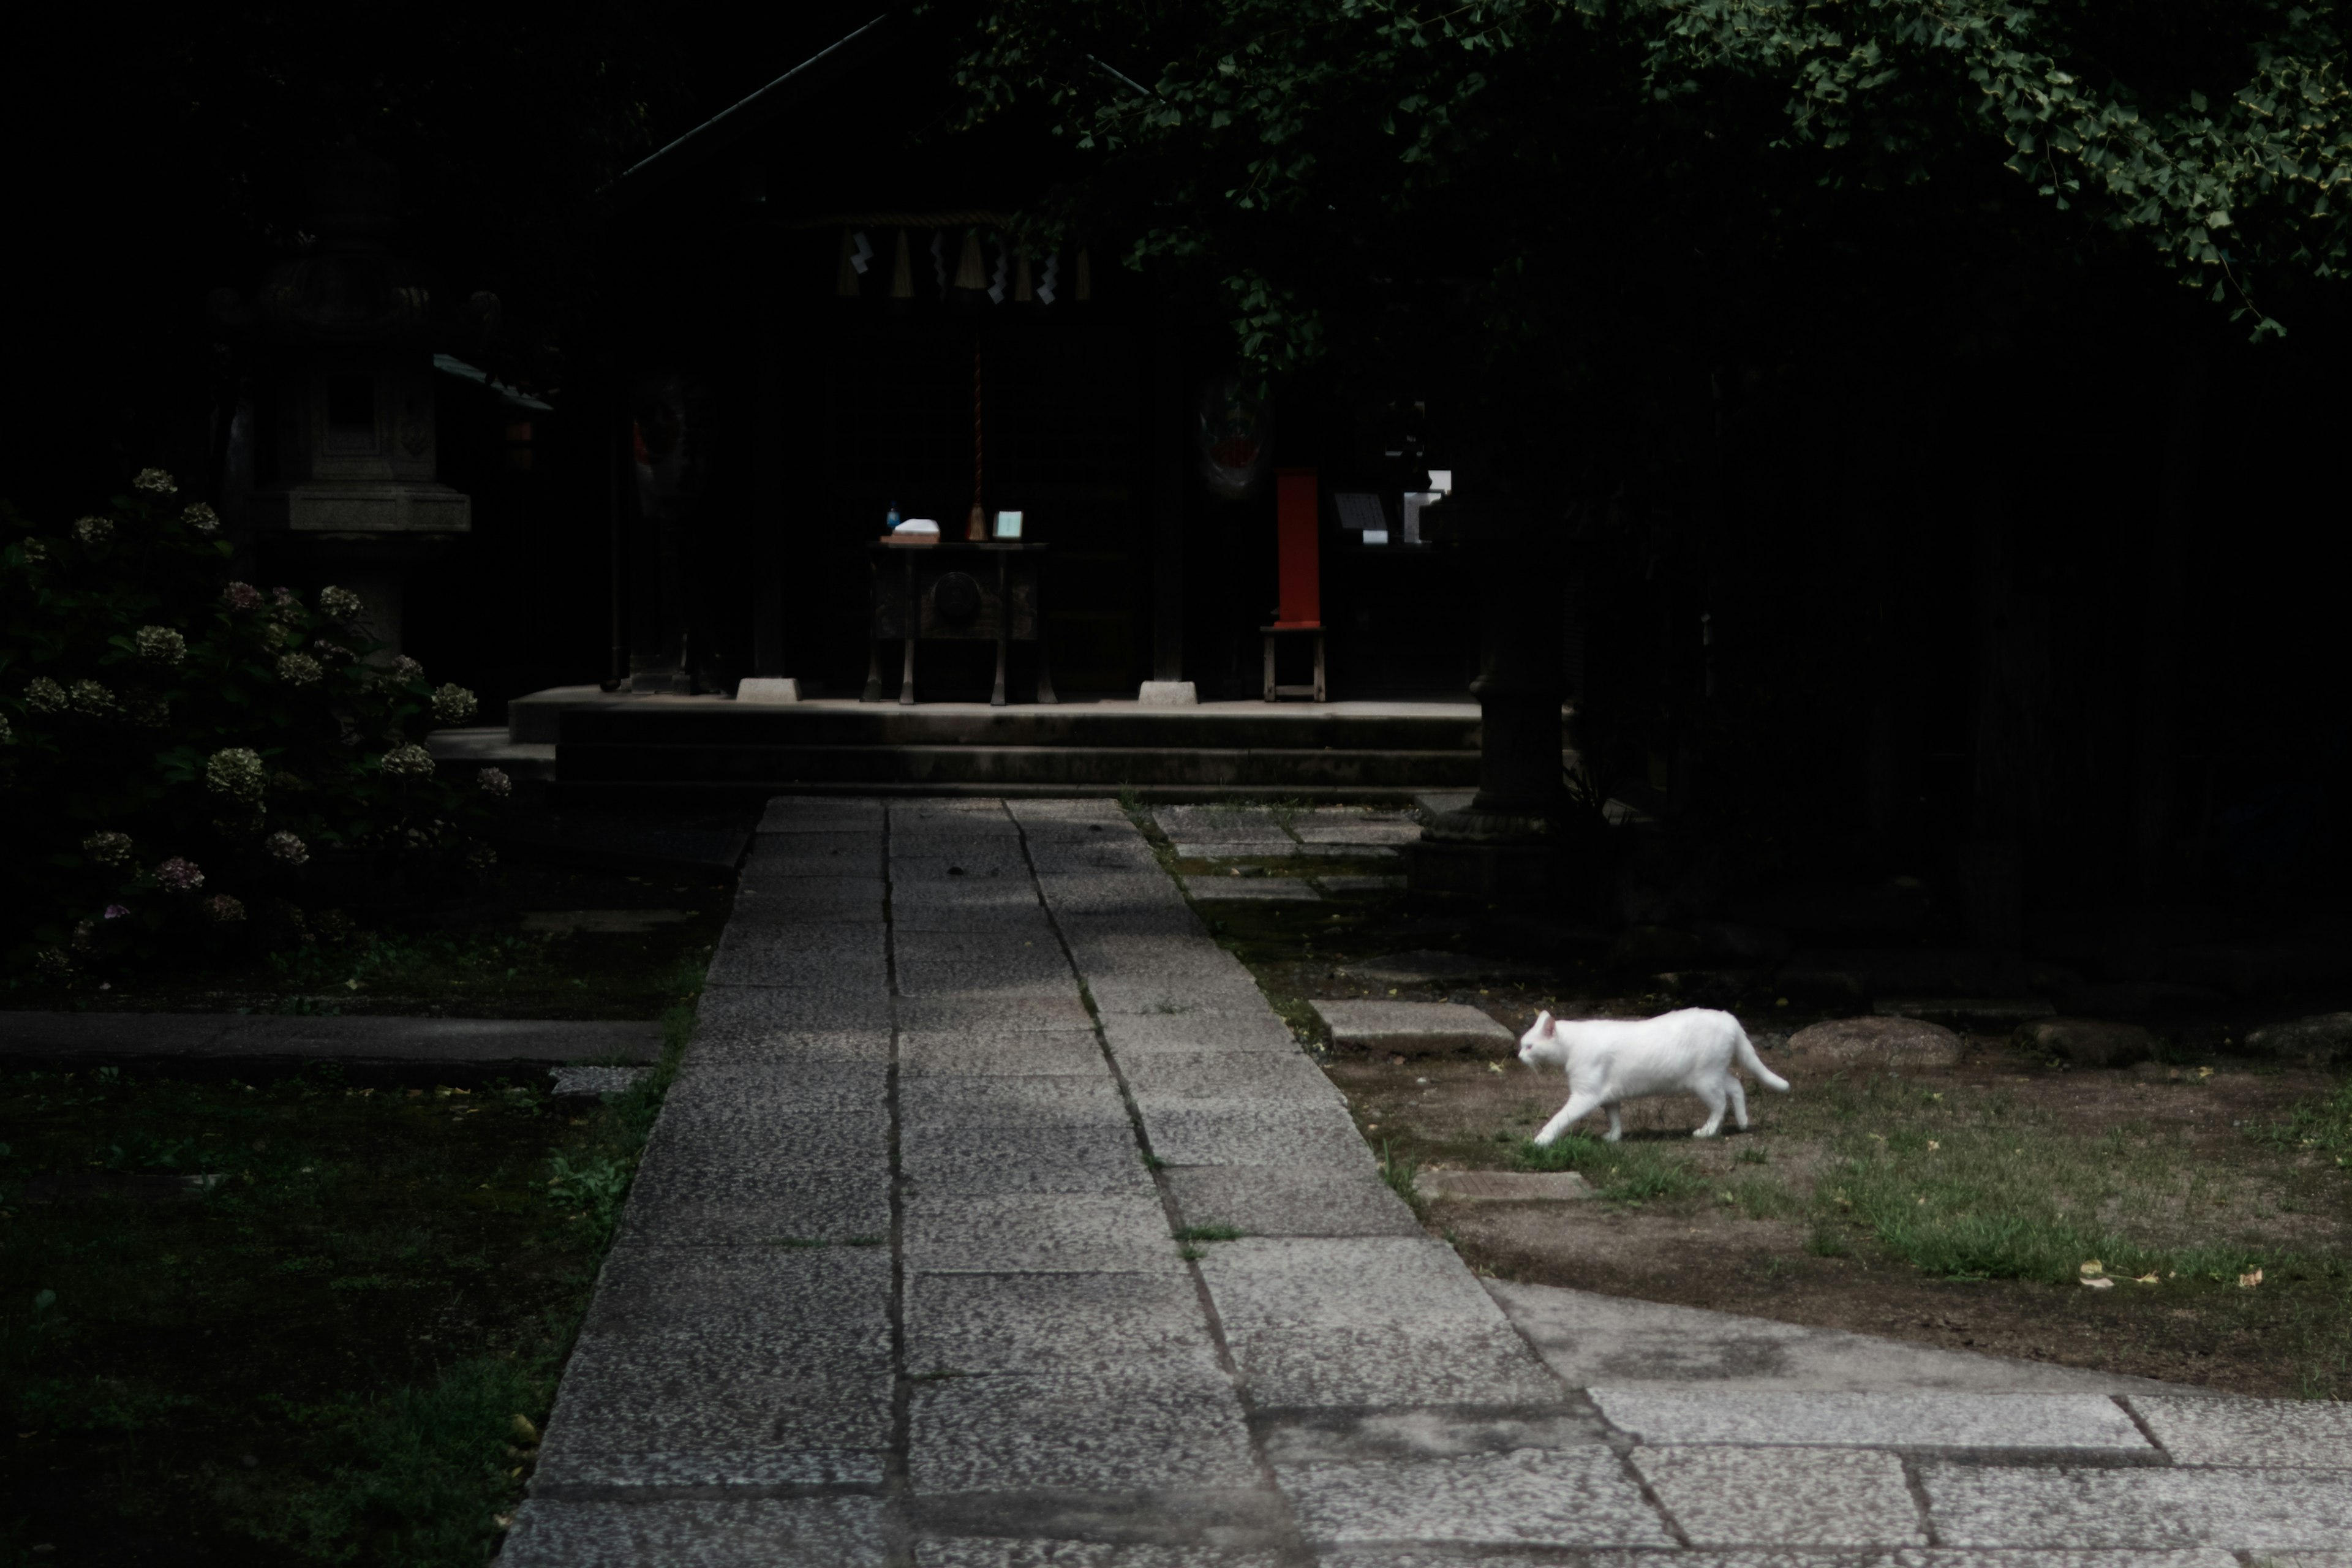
<point>236,773</point>
<point>92,699</point>
<point>36,553</point>
<point>340,604</point>
<point>452,704</point>
<point>299,669</point>
<point>286,847</point>
<point>155,481</point>
<point>405,668</point>
<point>496,784</point>
<point>409,760</point>
<point>179,875</point>
<point>108,849</point>
<point>161,644</point>
<point>43,695</point>
<point>201,518</point>
<point>223,910</point>
<point>93,530</point>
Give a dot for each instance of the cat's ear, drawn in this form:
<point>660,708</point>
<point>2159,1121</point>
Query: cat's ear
<point>1544,1025</point>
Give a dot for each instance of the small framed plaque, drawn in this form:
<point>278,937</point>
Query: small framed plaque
<point>1008,525</point>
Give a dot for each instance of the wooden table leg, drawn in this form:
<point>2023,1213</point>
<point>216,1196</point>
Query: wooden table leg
<point>914,618</point>
<point>1318,667</point>
<point>873,670</point>
<point>1004,633</point>
<point>1045,665</point>
<point>1269,667</point>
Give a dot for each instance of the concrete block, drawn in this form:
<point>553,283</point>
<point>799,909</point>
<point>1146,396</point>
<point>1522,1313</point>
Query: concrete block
<point>2209,1431</point>
<point>780,1089</point>
<point>2243,1511</point>
<point>1290,1200</point>
<point>750,959</point>
<point>1215,824</point>
<point>1592,1339</point>
<point>1209,996</point>
<point>1567,1497</point>
<point>785,1048</point>
<point>1044,976</point>
<point>853,852</point>
<point>768,690</point>
<point>1398,1365</point>
<point>1028,1433</point>
<point>1167,694</point>
<point>1094,1324</point>
<point>1350,825</point>
<point>1339,886</point>
<point>1791,1496</point>
<point>1335,1283</point>
<point>778,1532</point>
<point>1414,1028</point>
<point>1234,849</point>
<point>1038,1234</point>
<point>1046,815</point>
<point>1501,1187</point>
<point>976,869</point>
<point>741,1142</point>
<point>1252,891</point>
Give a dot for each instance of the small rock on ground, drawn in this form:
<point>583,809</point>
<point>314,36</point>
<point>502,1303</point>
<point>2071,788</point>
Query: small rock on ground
<point>1500,1186</point>
<point>2327,1036</point>
<point>2088,1042</point>
<point>1877,1042</point>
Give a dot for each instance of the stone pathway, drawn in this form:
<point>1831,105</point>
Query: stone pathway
<point>901,1283</point>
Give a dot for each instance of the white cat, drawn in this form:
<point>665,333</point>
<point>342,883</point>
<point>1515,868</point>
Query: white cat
<point>1610,1060</point>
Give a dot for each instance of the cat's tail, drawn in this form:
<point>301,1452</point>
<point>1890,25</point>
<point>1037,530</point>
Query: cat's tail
<point>1745,1052</point>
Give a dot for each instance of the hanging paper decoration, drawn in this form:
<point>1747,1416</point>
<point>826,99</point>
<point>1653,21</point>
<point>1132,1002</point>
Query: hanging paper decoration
<point>971,269</point>
<point>1235,437</point>
<point>997,278</point>
<point>1053,269</point>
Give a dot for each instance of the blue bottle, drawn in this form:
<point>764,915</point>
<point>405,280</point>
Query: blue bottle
<point>891,522</point>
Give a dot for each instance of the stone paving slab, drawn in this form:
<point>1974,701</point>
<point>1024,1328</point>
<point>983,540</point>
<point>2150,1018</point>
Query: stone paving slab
<point>1175,1077</point>
<point>1221,824</point>
<point>1350,1282</point>
<point>1135,1035</point>
<point>2247,1510</point>
<point>1570,1496</point>
<point>1036,1052</point>
<point>1290,1200</point>
<point>2209,1431</point>
<point>1083,1158</point>
<point>835,1207</point>
<point>1796,1496</point>
<point>1357,1366</point>
<point>987,1103</point>
<point>991,1553</point>
<point>1592,1339</point>
<point>1879,1419</point>
<point>1295,1437</point>
<point>1020,1432</point>
<point>817,1532</point>
<point>1245,1131</point>
<point>1031,1322</point>
<point>1072,1233</point>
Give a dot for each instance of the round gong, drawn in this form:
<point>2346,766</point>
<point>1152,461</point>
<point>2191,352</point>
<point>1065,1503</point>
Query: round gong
<point>956,599</point>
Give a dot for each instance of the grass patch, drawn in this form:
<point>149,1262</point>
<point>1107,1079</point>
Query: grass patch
<point>293,1321</point>
<point>1211,1233</point>
<point>1399,1172</point>
<point>2322,1125</point>
<point>1623,1172</point>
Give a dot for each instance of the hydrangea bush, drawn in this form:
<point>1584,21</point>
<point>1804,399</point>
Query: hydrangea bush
<point>180,748</point>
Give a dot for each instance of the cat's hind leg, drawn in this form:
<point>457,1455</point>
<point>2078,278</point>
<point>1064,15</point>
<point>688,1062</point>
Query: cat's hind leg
<point>1738,1100</point>
<point>1712,1095</point>
<point>1579,1107</point>
<point>1616,1128</point>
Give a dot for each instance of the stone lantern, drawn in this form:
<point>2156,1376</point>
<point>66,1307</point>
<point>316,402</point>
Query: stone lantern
<point>346,400</point>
